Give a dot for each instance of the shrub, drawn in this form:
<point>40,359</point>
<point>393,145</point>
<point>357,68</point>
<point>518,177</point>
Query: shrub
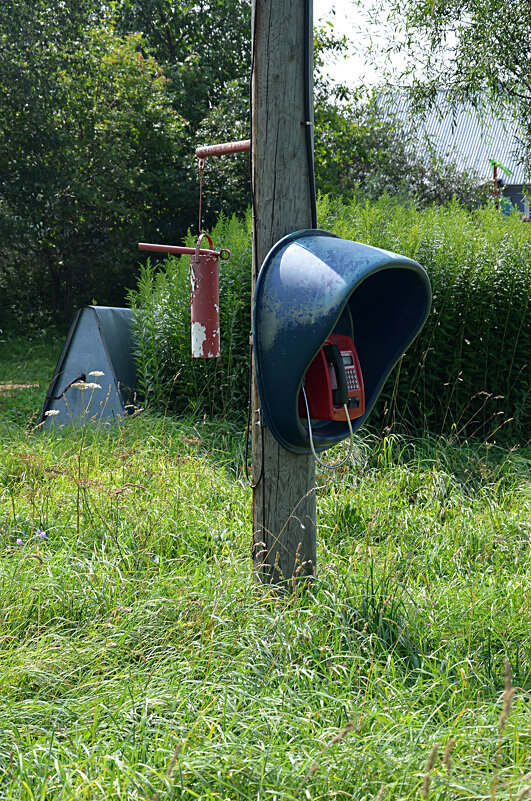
<point>169,377</point>
<point>468,371</point>
<point>86,171</point>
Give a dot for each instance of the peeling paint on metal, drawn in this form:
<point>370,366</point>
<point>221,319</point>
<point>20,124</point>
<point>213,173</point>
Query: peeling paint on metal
<point>193,282</point>
<point>198,338</point>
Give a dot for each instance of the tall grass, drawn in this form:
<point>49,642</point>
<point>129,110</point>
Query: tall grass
<point>469,371</point>
<point>467,374</point>
<point>141,661</point>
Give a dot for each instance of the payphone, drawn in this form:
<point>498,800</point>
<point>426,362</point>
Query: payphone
<point>332,387</point>
<point>333,383</point>
<point>331,318</point>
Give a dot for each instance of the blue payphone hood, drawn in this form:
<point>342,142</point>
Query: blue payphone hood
<point>311,284</point>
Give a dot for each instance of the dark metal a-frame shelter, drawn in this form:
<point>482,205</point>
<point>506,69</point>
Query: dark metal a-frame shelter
<point>95,377</point>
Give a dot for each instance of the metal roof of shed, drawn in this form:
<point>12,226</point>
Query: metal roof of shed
<point>468,136</point>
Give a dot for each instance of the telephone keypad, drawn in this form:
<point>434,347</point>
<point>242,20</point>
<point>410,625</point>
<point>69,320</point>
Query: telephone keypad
<point>352,380</point>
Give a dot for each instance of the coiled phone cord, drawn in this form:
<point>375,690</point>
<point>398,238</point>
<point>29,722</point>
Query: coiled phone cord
<point>316,457</point>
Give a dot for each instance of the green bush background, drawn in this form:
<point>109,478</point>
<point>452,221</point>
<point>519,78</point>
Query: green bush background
<point>467,373</point>
<point>170,378</point>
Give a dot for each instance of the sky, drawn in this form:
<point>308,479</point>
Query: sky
<point>360,25</point>
<point>350,18</point>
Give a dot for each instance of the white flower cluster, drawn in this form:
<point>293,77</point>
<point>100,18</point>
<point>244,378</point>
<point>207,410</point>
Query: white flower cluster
<point>86,385</point>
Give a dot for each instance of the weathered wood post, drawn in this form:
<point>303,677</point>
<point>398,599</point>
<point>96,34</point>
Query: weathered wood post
<point>284,506</point>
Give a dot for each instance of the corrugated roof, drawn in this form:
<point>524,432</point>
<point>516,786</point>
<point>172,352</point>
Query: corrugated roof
<point>469,137</point>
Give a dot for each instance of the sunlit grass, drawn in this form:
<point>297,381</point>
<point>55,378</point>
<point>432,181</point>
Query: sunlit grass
<point>140,659</point>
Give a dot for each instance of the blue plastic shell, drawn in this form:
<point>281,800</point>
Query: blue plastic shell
<point>311,284</point>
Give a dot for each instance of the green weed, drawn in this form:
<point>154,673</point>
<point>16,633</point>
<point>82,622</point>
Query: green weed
<point>141,661</point>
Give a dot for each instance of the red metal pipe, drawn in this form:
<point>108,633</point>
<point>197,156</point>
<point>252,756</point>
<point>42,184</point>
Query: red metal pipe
<point>220,150</point>
<point>204,303</point>
<point>182,251</point>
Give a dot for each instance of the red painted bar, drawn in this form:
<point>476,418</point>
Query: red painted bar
<point>227,147</point>
<point>177,249</point>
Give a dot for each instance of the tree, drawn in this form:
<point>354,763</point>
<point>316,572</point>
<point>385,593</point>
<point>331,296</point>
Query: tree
<point>202,46</point>
<point>97,137</point>
<point>90,150</point>
<point>478,49</point>
<point>361,148</point>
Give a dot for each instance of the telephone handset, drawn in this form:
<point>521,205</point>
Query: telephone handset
<point>334,383</point>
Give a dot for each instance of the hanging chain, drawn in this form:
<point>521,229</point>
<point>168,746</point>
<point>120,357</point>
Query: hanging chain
<point>201,165</point>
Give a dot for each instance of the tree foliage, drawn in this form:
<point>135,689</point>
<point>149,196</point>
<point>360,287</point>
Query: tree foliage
<point>90,147</point>
<point>202,46</point>
<point>102,105</point>
<point>360,147</point>
<point>480,50</point>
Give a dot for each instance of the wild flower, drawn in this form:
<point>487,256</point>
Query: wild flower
<point>41,534</point>
<point>19,541</point>
<point>96,373</point>
<point>51,412</point>
<point>86,385</point>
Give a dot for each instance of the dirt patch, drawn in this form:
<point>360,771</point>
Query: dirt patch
<point>8,387</point>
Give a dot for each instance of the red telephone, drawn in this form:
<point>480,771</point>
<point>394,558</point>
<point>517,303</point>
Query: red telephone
<point>334,380</point>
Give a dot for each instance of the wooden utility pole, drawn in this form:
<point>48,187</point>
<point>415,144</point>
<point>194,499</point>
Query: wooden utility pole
<point>284,507</point>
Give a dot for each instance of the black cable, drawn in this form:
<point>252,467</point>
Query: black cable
<point>252,484</point>
<point>81,377</point>
<point>308,113</point>
<point>307,79</point>
<point>308,75</point>
<point>251,181</point>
